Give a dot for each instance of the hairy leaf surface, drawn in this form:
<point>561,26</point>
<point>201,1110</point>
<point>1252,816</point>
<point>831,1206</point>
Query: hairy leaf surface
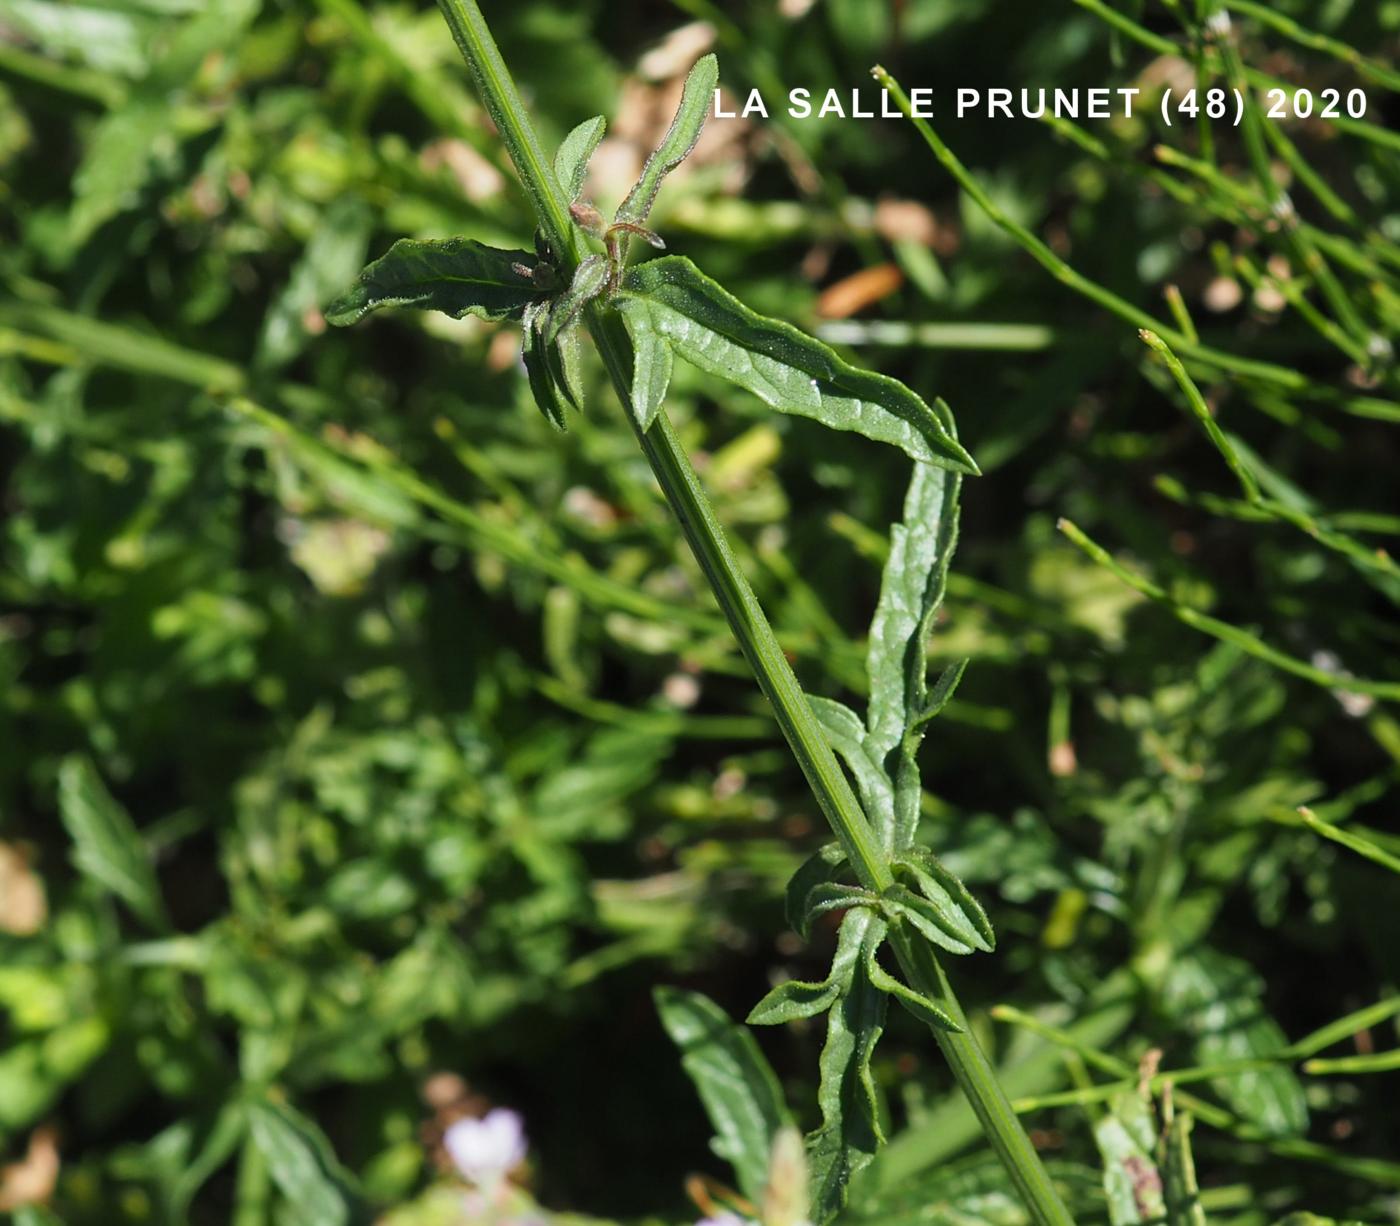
<point>679,140</point>
<point>457,276</point>
<point>850,1132</point>
<point>782,366</point>
<point>571,162</point>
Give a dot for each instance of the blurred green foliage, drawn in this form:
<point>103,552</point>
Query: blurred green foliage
<point>358,732</point>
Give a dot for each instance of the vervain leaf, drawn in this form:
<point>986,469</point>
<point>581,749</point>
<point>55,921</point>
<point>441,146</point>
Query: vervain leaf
<point>542,386</point>
<point>942,692</point>
<point>795,999</point>
<point>1131,1181</point>
<point>850,1132</point>
<point>944,888</point>
<point>920,1006</point>
<point>943,922</point>
<point>303,1166</point>
<point>589,278</point>
<point>679,140</point>
<point>735,1082</point>
<point>652,362</point>
<point>457,276</point>
<point>822,865</point>
<point>846,735</point>
<point>1218,999</point>
<point>571,162</point>
<point>565,358</point>
<point>832,896</point>
<point>792,1000</point>
<point>782,366</point>
<point>107,846</point>
<point>911,590</point>
<point>1179,1174</point>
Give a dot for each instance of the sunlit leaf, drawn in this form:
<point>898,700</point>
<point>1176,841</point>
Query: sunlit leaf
<point>736,1084</point>
<point>782,366</point>
<point>851,1131</point>
<point>680,138</point>
<point>1219,1000</point>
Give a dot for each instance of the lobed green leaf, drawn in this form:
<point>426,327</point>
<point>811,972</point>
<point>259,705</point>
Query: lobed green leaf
<point>850,1132</point>
<point>846,735</point>
<point>916,1003</point>
<point>942,887</point>
<point>679,140</point>
<point>736,1084</point>
<point>782,366</point>
<point>911,590</point>
<point>458,276</point>
<point>942,922</point>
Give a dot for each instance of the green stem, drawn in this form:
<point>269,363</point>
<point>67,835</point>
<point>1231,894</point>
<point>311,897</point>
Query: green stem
<point>703,532</point>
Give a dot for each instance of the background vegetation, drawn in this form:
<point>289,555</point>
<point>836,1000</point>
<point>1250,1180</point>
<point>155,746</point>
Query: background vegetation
<point>368,751</point>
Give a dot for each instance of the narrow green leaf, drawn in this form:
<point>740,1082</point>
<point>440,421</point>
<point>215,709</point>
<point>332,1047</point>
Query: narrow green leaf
<point>589,279</point>
<point>943,922</point>
<point>1218,998</point>
<point>920,1006</point>
<point>846,735</point>
<point>792,1000</point>
<point>565,359</point>
<point>537,370</point>
<point>1179,1174</point>
<point>571,162</point>
<point>652,361</point>
<point>106,844</point>
<point>945,888</point>
<point>303,1166</point>
<point>784,367</point>
<point>942,692</point>
<point>736,1084</point>
<point>850,1132</point>
<point>680,138</point>
<point>911,590</point>
<point>830,896</point>
<point>825,864</point>
<point>457,276</point>
<point>1131,1179</point>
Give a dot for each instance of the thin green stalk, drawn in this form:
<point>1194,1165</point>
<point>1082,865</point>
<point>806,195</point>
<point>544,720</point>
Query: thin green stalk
<point>1350,840</point>
<point>1281,23</point>
<point>1067,275</point>
<point>681,487</point>
<point>1251,643</point>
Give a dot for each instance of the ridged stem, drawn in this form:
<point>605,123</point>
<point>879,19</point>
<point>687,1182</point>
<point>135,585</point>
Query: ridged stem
<point>705,536</point>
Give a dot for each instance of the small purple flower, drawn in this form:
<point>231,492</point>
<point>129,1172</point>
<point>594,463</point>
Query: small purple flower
<point>486,1150</point>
